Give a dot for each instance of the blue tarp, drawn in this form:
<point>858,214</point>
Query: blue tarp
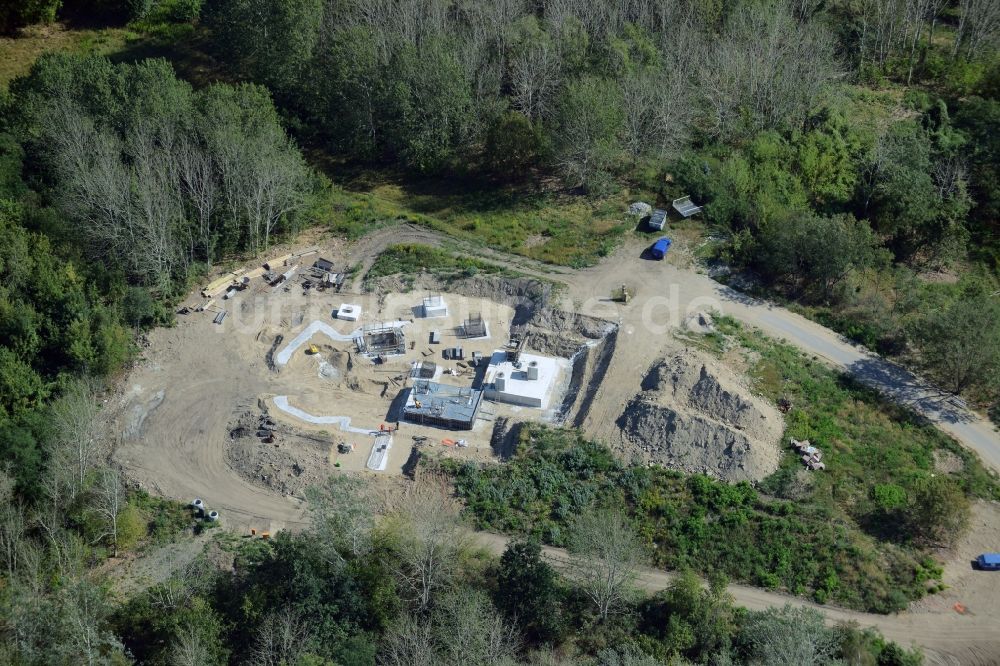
<point>660,248</point>
<point>992,559</point>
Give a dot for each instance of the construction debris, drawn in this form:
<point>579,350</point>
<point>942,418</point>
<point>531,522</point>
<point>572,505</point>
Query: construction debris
<point>277,262</point>
<point>640,209</point>
<point>811,456</point>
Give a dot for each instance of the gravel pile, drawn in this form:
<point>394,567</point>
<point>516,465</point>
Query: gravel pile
<point>694,415</point>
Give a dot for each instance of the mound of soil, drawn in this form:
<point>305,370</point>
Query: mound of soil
<point>334,365</point>
<point>694,415</point>
<point>288,464</point>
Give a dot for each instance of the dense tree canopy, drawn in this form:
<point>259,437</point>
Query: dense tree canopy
<point>159,176</point>
<point>846,154</point>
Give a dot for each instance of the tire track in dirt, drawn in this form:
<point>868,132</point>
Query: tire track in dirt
<point>366,250</point>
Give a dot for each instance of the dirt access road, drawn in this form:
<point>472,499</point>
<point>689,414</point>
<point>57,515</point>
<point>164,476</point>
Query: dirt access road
<point>185,463</point>
<point>364,252</point>
<point>663,293</point>
<point>946,637</point>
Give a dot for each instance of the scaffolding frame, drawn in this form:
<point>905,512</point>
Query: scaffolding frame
<point>474,326</point>
<point>381,338</point>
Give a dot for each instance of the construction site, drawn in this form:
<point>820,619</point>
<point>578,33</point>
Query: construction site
<point>278,375</point>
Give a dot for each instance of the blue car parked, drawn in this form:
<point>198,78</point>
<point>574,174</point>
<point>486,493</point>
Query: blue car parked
<point>659,249</point>
<point>989,561</point>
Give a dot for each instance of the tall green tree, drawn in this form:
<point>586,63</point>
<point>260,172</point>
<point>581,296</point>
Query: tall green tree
<point>917,197</point>
<point>273,40</point>
<point>428,99</point>
<point>689,619</point>
<point>979,119</point>
<point>815,253</point>
<point>16,15</point>
<point>528,591</point>
<point>587,136</point>
<point>959,342</point>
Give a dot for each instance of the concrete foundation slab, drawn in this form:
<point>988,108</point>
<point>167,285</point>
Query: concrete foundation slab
<point>530,384</point>
<point>349,312</point>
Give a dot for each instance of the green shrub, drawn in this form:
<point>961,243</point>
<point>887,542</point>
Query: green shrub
<point>131,527</point>
<point>414,258</point>
<point>165,518</point>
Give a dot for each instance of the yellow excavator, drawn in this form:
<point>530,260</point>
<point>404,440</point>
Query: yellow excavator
<point>313,349</point>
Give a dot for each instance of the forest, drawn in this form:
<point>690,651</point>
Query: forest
<point>846,153</point>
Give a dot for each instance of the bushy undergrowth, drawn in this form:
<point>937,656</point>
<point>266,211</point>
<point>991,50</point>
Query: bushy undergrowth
<point>413,258</point>
<point>854,535</point>
<point>691,522</point>
<point>867,441</point>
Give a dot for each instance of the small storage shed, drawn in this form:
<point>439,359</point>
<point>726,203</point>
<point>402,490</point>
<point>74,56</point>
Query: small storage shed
<point>660,248</point>
<point>349,312</point>
<point>658,220</point>
<point>435,337</point>
<point>686,207</point>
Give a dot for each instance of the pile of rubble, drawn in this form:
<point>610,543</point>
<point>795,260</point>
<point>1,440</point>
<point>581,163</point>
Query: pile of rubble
<point>811,457</point>
<point>694,415</point>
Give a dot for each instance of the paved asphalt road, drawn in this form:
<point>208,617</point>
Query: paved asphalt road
<point>943,409</point>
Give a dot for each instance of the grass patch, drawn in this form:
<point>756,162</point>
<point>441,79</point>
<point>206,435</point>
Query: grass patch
<point>412,258</point>
<point>17,54</point>
<point>183,43</point>
<point>354,215</point>
<point>556,228</point>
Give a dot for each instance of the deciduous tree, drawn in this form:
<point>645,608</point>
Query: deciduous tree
<point>605,553</point>
<point>788,636</point>
<point>587,141</point>
<point>960,343</point>
<point>528,591</point>
<point>427,541</point>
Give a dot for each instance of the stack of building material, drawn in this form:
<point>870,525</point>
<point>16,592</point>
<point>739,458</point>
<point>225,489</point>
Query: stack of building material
<point>811,456</point>
<point>277,262</point>
<point>222,283</point>
<point>217,286</point>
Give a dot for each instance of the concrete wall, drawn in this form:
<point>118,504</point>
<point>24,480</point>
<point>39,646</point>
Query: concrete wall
<point>511,398</point>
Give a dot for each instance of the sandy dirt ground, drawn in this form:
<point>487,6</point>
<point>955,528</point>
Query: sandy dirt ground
<point>198,382</point>
<point>189,411</point>
<point>664,293</point>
